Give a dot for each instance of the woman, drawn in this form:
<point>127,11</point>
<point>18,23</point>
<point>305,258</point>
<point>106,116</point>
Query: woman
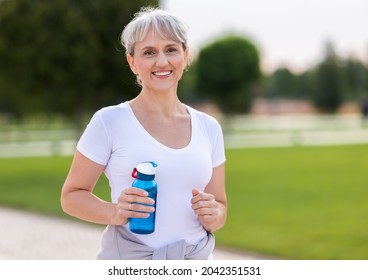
<point>187,146</point>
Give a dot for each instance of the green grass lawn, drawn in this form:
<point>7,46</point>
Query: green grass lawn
<point>34,183</point>
<point>295,203</point>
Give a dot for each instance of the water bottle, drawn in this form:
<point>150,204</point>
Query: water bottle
<point>145,175</point>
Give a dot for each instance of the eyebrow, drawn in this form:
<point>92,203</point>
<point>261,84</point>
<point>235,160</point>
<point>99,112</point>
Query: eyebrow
<point>166,46</point>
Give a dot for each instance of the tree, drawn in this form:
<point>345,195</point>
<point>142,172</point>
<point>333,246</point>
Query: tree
<point>282,83</point>
<point>226,71</point>
<point>64,55</point>
<point>355,73</point>
<point>330,85</point>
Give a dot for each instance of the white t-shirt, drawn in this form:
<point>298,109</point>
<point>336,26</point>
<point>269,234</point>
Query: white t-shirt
<point>115,138</point>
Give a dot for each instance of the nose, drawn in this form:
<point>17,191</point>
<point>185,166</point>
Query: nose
<point>161,60</point>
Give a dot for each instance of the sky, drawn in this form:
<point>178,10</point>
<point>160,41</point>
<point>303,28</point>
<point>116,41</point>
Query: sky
<point>291,33</point>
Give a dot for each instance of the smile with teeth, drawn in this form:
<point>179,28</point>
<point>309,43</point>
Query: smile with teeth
<point>165,73</point>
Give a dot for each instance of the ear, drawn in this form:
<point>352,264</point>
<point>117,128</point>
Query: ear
<point>186,58</point>
<point>131,63</point>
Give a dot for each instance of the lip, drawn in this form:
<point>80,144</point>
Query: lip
<point>162,74</point>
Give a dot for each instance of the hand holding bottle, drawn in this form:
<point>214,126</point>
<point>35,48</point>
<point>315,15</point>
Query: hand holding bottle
<point>144,175</point>
<point>132,203</point>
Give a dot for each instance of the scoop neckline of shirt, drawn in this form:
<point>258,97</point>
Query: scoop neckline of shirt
<point>153,139</point>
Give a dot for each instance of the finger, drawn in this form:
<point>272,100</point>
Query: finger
<point>139,199</point>
<point>132,210</point>
<point>195,192</point>
<point>124,207</point>
<point>202,197</point>
<point>196,196</point>
<point>131,213</point>
<point>131,195</point>
<point>205,204</point>
<point>137,207</point>
<point>135,191</point>
<point>204,211</point>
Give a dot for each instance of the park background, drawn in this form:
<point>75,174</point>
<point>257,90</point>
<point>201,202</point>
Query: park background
<point>296,139</point>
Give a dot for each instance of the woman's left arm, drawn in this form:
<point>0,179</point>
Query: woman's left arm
<point>211,205</point>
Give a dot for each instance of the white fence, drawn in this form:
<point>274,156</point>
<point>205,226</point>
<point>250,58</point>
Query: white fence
<point>241,132</point>
<point>291,130</point>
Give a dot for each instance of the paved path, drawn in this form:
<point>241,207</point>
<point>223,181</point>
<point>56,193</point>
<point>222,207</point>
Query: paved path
<point>26,236</point>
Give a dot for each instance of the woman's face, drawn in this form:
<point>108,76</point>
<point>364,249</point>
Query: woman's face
<point>158,62</point>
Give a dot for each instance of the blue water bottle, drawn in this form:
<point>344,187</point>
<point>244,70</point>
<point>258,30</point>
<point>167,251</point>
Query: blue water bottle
<point>145,179</point>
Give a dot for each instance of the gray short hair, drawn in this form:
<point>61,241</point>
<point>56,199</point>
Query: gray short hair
<point>165,24</point>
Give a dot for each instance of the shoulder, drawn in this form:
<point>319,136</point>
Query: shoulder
<point>204,118</point>
<point>113,109</point>
<point>206,122</point>
<point>111,114</point>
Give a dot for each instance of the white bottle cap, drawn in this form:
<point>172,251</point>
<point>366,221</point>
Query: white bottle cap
<point>148,168</point>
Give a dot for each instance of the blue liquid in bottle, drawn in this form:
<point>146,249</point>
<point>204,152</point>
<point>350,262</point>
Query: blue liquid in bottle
<point>145,175</point>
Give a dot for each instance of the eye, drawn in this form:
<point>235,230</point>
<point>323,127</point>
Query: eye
<point>148,53</point>
<point>171,50</point>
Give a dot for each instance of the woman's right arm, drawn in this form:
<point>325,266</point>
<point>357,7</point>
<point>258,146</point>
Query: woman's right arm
<point>78,200</point>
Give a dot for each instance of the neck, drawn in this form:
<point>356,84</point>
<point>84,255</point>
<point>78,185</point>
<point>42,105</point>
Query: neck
<point>158,103</point>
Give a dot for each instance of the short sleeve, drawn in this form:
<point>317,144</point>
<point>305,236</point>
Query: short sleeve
<point>95,142</point>
<point>218,147</point>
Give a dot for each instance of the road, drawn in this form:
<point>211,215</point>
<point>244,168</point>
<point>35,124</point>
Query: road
<point>31,236</point>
